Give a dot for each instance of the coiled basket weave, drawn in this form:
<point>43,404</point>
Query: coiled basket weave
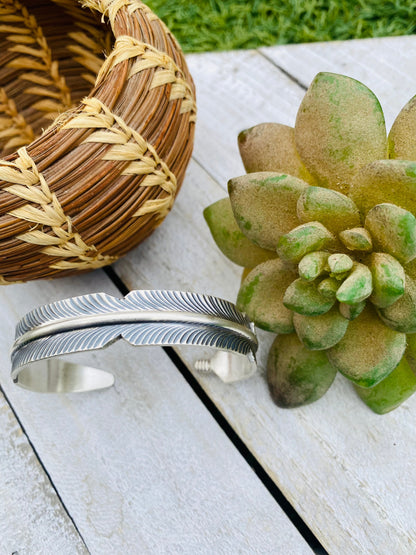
<point>119,132</point>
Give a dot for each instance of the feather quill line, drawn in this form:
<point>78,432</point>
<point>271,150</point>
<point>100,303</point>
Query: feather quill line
<point>130,316</point>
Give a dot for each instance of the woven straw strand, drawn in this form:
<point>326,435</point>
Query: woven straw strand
<point>110,8</point>
<point>105,173</point>
<point>31,185</point>
<point>5,282</point>
<point>128,145</point>
<point>20,25</point>
<point>88,42</point>
<point>13,125</point>
<point>149,57</point>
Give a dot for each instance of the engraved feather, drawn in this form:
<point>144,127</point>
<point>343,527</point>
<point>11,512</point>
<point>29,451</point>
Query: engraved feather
<point>151,300</point>
<point>161,332</point>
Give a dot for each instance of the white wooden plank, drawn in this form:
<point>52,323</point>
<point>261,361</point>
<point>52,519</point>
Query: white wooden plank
<point>28,500</point>
<point>141,467</point>
<point>245,77</point>
<point>348,472</point>
<point>386,65</point>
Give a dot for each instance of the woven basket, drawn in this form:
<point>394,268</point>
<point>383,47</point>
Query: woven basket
<point>118,136</point>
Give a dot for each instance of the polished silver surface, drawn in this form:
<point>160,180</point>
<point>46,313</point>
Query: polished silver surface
<point>151,317</point>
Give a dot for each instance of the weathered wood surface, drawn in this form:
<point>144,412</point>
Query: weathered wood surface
<point>349,473</point>
<point>387,66</point>
<point>143,467</point>
<point>32,519</point>
<point>140,468</point>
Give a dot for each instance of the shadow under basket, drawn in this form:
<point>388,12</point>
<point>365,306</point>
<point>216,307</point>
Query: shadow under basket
<point>97,116</point>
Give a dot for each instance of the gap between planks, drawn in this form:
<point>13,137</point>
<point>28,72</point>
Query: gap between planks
<point>293,78</point>
<point>238,443</point>
<point>75,536</point>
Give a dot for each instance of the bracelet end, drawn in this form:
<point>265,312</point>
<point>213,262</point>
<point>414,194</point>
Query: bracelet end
<point>59,376</point>
<point>229,367</point>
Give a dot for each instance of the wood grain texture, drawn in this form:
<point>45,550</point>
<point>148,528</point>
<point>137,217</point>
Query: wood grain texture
<point>386,65</point>
<point>141,467</point>
<point>32,519</point>
<point>234,92</point>
<point>347,471</point>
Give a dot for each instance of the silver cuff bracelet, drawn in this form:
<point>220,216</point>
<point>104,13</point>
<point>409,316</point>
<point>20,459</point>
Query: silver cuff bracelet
<point>149,317</point>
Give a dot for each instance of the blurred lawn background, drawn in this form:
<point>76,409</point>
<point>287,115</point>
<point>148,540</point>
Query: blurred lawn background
<point>207,25</point>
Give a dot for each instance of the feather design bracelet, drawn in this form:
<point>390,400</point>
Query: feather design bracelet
<point>143,317</point>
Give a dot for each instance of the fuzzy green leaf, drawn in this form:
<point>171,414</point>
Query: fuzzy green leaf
<point>270,147</point>
<point>303,239</point>
<point>296,375</point>
<point>393,230</point>
<point>351,311</point>
<point>391,392</point>
<point>369,350</point>
<point>328,288</point>
<point>303,297</point>
<point>357,287</point>
<point>401,316</point>
<point>339,263</point>
<point>264,205</point>
<point>392,181</point>
<point>229,238</point>
<point>388,279</point>
<point>313,265</point>
<point>403,131</point>
<point>334,210</point>
<point>261,296</point>
<point>356,239</point>
<point>339,128</point>
<point>320,332</point>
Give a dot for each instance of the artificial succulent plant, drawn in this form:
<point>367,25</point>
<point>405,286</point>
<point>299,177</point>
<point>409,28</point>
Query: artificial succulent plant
<point>324,224</point>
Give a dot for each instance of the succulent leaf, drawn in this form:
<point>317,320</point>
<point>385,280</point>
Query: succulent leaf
<point>320,332</point>
<point>334,210</point>
<point>270,147</point>
<point>393,230</point>
<point>303,239</point>
<point>401,316</point>
<point>388,279</point>
<point>303,297</point>
<point>261,296</point>
<point>313,265</point>
<point>296,375</point>
<point>339,128</point>
<point>411,269</point>
<point>390,392</point>
<point>403,132</point>
<point>229,238</point>
<point>357,287</point>
<point>381,181</point>
<point>411,351</point>
<point>328,288</point>
<point>340,263</point>
<point>351,311</point>
<point>245,273</point>
<point>264,205</point>
<point>369,350</point>
<point>356,239</point>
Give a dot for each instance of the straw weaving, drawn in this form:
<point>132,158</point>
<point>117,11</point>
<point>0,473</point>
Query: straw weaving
<point>98,101</point>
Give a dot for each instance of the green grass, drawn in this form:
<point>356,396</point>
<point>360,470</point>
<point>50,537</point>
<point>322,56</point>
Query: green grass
<point>206,25</point>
